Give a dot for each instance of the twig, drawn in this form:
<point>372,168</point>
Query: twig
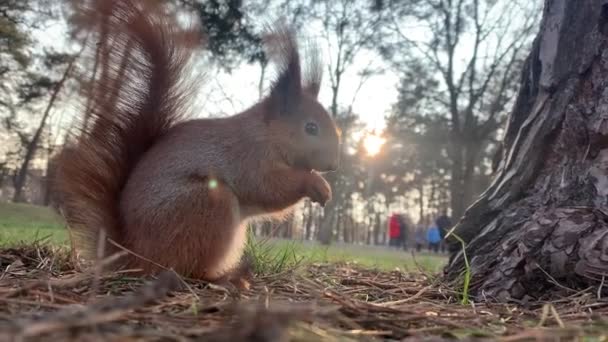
<point>402,301</point>
<point>554,281</point>
<point>183,281</point>
<point>61,283</point>
<point>105,311</point>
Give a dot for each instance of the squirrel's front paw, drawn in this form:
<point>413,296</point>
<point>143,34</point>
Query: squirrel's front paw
<point>318,189</point>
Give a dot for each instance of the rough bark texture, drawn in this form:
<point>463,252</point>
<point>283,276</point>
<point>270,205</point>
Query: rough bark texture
<point>544,219</point>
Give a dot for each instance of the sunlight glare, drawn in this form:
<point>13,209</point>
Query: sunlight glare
<point>373,144</point>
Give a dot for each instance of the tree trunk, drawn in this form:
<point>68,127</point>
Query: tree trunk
<point>431,203</point>
<point>335,179</point>
<point>331,209</point>
<point>318,223</point>
<point>456,190</point>
<point>288,230</point>
<point>421,199</point>
<point>369,230</point>
<point>348,229</point>
<point>340,226</point>
<point>266,228</point>
<point>381,228</point>
<point>376,229</point>
<point>544,217</point>
<point>308,218</point>
<point>50,174</point>
<point>472,152</point>
<point>32,146</point>
<point>3,174</point>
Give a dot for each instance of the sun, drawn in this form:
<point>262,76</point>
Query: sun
<point>373,144</point>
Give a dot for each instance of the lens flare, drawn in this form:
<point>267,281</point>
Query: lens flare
<point>373,144</point>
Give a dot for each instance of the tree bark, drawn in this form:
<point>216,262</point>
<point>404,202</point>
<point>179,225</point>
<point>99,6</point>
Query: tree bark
<point>544,218</point>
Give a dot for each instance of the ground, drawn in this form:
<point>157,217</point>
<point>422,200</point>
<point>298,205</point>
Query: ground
<point>302,292</point>
<point>23,222</point>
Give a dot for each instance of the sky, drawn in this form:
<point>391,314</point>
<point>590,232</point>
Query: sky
<point>228,93</point>
<point>372,102</point>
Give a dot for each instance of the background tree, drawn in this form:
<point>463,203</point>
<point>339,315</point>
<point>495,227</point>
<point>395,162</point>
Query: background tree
<point>230,35</point>
<point>542,222</point>
<point>23,83</point>
<point>419,143</point>
<point>465,55</point>
<point>349,29</point>
<point>14,57</point>
<point>40,86</point>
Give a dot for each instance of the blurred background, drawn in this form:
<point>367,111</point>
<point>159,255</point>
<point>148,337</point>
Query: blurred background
<point>420,88</point>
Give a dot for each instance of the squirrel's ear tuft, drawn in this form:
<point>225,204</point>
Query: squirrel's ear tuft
<point>313,74</point>
<point>286,90</point>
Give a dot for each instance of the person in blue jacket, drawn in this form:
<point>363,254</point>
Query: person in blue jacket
<point>433,237</point>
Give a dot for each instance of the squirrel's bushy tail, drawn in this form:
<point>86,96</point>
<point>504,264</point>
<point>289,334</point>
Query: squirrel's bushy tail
<point>137,96</point>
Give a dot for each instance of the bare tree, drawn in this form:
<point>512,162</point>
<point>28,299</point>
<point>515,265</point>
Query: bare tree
<point>32,145</point>
<point>473,50</point>
<point>348,29</point>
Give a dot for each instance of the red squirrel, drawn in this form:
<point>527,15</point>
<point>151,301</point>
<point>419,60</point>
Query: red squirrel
<point>179,193</point>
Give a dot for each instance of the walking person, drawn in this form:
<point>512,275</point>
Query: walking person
<point>394,231</point>
<point>419,237</point>
<point>444,223</point>
<point>403,230</point>
<point>434,238</point>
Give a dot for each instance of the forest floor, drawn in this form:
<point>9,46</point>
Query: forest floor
<point>44,295</point>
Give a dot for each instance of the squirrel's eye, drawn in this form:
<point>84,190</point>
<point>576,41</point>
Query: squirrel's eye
<point>311,128</point>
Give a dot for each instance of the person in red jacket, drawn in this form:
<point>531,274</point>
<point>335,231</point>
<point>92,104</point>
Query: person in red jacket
<point>394,231</point>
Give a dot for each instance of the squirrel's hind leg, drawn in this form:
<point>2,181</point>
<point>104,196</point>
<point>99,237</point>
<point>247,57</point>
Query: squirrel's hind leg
<point>240,276</point>
<point>198,232</point>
